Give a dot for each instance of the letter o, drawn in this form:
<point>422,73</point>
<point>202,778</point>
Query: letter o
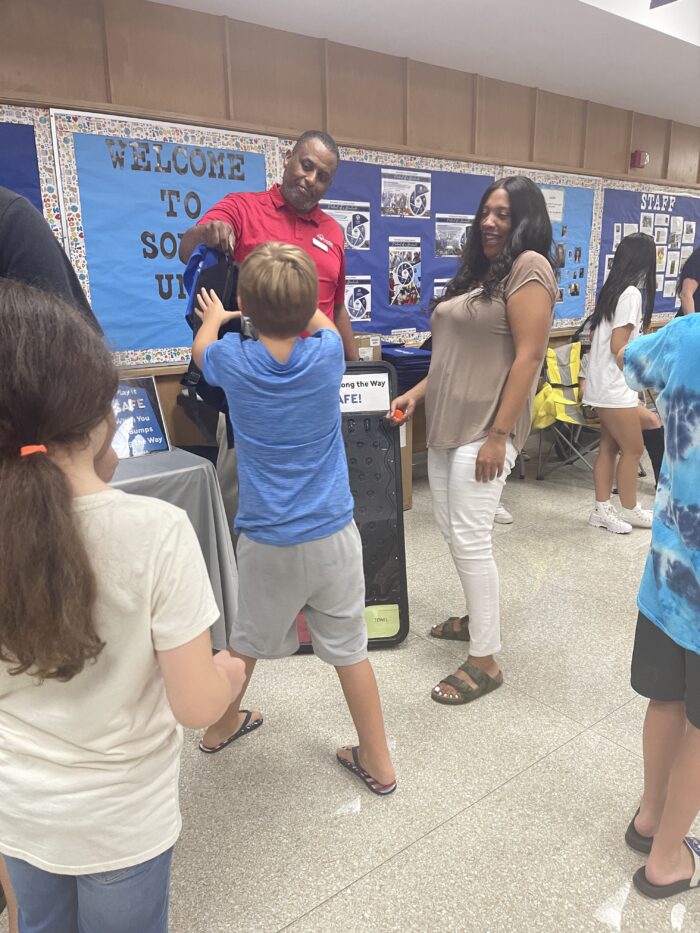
<point>193,213</point>
<point>199,155</point>
<point>168,245</point>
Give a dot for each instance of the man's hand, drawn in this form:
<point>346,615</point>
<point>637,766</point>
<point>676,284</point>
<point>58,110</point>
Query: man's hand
<point>211,311</point>
<point>217,234</point>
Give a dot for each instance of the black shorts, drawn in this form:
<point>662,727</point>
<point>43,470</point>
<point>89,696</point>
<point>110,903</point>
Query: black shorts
<point>663,670</point>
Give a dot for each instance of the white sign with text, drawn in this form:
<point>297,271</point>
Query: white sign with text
<point>365,392</point>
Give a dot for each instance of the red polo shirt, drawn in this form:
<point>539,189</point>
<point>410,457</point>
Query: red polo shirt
<point>264,216</point>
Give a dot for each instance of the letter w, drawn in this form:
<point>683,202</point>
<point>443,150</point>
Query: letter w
<point>117,157</point>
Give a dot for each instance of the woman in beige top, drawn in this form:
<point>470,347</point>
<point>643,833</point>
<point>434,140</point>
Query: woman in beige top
<point>490,333</point>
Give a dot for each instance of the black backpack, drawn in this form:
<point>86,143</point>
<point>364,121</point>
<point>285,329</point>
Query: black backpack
<point>199,395</point>
<point>222,278</point>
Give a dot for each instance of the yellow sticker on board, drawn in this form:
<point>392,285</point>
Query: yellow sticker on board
<point>382,621</point>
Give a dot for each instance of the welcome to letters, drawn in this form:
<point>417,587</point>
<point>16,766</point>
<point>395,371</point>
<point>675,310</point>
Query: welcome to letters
<point>148,156</point>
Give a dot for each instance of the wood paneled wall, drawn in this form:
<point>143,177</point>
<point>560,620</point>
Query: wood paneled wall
<point>148,59</point>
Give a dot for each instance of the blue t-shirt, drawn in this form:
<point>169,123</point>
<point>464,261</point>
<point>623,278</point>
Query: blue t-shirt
<point>670,591</point>
<point>292,468</point>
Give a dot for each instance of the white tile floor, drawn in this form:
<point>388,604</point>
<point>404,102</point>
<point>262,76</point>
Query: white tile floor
<point>510,813</point>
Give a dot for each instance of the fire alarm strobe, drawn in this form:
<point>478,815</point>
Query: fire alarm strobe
<point>639,159</point>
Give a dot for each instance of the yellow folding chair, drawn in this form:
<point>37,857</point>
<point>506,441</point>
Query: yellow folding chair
<point>558,407</point>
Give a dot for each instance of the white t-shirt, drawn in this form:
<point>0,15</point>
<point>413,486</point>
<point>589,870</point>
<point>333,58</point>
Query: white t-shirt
<point>89,768</point>
<point>605,385</point>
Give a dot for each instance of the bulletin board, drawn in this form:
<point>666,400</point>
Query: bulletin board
<point>118,192</point>
<point>27,163</point>
<point>672,217</point>
<point>405,221</point>
<point>571,202</point>
<point>130,189</point>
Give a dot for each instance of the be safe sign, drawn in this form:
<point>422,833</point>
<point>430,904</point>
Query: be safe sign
<point>366,392</point>
<point>139,418</point>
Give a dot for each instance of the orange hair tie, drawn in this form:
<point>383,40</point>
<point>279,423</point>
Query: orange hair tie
<point>32,449</point>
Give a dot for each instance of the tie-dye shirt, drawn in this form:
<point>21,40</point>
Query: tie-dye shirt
<point>669,361</point>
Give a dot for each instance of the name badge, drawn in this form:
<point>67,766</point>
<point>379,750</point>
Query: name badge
<point>320,244</point>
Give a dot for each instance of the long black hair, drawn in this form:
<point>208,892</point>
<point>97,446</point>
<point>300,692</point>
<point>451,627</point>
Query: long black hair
<point>634,264</point>
<point>531,229</point>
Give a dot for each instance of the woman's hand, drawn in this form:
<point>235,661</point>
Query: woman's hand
<point>406,404</point>
<point>490,459</point>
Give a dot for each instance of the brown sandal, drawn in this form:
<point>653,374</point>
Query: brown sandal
<point>450,632</point>
<point>465,692</point>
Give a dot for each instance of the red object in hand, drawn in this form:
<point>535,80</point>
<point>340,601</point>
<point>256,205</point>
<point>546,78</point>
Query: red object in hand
<point>398,415</point>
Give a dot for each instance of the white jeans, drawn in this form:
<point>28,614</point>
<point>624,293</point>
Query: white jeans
<point>464,512</point>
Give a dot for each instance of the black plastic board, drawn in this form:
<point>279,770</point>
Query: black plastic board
<point>373,449</point>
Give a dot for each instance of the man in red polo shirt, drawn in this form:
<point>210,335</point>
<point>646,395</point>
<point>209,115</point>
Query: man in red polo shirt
<point>287,213</point>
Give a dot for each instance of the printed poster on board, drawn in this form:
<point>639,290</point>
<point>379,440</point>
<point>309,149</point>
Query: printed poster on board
<point>354,220</point>
<point>406,194</point>
<point>358,297</point>
<point>451,232</point>
<point>404,270</point>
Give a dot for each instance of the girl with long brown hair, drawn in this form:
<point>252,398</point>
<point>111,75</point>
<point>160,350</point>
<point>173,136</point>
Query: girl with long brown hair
<point>105,608</point>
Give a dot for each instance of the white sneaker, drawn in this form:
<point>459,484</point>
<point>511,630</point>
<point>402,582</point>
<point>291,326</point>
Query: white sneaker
<point>605,516</point>
<point>637,517</point>
<point>503,516</point>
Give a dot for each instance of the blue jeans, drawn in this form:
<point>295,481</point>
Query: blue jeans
<point>123,901</point>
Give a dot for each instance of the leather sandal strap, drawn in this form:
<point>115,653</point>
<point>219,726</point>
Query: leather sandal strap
<point>461,685</point>
<point>480,678</point>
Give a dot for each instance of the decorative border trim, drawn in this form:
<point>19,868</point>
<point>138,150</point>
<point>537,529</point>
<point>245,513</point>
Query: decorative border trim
<point>68,122</point>
<point>40,119</point>
<point>59,185</point>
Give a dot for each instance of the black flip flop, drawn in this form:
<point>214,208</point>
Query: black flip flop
<point>659,891</point>
<point>245,728</point>
<point>356,768</point>
<point>635,840</point>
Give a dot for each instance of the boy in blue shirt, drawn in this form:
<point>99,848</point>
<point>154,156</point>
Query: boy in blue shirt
<point>666,658</point>
<point>299,548</point>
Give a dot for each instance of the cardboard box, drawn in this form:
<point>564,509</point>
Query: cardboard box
<point>369,346</point>
<point>407,464</point>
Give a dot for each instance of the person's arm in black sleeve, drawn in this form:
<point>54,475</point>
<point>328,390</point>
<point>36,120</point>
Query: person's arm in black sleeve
<point>31,253</point>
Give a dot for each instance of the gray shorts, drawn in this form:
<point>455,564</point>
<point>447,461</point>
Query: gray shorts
<point>324,578</point>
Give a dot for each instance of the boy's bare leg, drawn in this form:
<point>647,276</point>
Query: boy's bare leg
<point>362,696</point>
<point>232,720</point>
<point>9,897</point>
<point>670,860</point>
<point>664,728</point>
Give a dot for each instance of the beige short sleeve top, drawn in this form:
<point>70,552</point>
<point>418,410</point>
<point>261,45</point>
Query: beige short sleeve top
<point>473,352</point>
<point>89,768</point>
